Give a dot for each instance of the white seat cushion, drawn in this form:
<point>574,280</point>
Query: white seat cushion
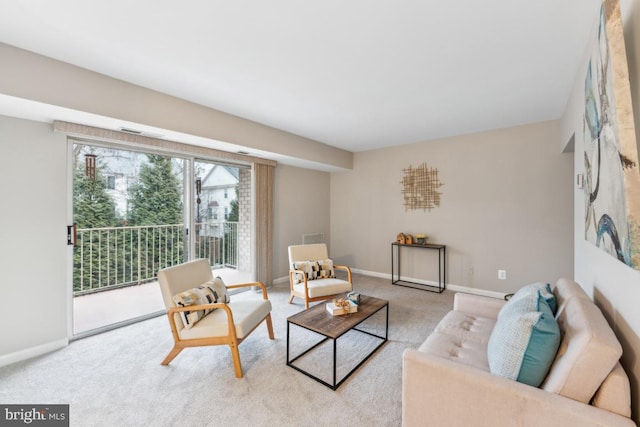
<point>461,337</point>
<point>324,287</point>
<point>466,326</point>
<point>448,346</point>
<point>246,315</point>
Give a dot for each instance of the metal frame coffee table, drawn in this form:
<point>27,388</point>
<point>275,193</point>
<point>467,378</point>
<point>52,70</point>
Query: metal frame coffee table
<point>318,320</point>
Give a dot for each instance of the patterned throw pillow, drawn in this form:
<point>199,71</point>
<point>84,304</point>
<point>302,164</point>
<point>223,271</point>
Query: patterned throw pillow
<point>545,292</point>
<point>304,267</point>
<point>322,269</point>
<point>325,269</point>
<point>525,340</point>
<point>210,292</point>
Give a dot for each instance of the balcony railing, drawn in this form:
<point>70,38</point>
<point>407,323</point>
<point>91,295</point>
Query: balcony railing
<point>113,257</point>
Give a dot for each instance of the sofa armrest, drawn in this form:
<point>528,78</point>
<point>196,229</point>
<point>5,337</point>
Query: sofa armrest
<point>441,392</point>
<point>477,305</point>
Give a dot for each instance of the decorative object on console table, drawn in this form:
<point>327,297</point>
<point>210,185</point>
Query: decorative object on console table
<point>400,238</point>
<point>421,238</point>
<point>409,240</point>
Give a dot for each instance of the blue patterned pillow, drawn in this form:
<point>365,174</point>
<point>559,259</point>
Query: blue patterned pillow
<point>525,340</point>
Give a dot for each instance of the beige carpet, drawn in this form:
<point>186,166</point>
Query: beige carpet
<point>115,379</point>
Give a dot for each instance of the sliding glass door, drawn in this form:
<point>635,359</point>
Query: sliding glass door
<point>138,212</point>
<point>129,215</point>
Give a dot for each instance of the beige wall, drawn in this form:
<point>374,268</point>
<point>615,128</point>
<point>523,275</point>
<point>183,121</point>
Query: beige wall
<point>614,286</point>
<point>301,206</point>
<point>506,204</point>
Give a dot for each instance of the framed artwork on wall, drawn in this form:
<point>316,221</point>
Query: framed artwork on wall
<point>612,176</point>
<point>420,186</point>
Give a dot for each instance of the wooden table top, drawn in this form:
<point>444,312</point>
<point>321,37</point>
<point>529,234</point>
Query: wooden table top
<point>319,320</point>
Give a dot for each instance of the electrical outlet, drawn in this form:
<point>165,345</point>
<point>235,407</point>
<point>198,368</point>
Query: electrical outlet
<point>502,274</point>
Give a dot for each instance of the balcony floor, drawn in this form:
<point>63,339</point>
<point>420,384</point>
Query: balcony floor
<point>101,309</point>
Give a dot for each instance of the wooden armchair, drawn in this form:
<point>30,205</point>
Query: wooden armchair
<point>311,277</point>
<point>229,324</point>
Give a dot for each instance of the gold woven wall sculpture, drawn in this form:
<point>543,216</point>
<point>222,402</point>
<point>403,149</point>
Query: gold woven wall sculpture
<point>420,188</point>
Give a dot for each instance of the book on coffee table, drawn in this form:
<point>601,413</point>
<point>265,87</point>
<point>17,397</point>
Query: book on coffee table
<point>335,310</point>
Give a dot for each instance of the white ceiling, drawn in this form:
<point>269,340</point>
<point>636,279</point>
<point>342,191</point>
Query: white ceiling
<point>355,74</point>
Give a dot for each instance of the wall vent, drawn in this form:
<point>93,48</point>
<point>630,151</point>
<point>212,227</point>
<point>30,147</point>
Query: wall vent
<point>131,131</point>
<point>141,133</point>
<point>308,239</point>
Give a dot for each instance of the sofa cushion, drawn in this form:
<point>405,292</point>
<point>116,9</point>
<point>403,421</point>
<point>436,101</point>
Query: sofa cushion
<point>525,339</point>
<point>588,351</point>
<point>448,346</point>
<point>466,327</point>
<point>564,289</point>
<point>210,292</point>
<point>614,394</point>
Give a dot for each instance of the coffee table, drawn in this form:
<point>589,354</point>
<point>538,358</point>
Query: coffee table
<point>318,320</point>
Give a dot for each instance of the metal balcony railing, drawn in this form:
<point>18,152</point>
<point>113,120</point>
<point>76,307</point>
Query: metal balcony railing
<point>113,257</point>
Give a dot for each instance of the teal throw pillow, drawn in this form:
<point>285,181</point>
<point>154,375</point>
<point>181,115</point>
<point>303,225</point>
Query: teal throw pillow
<point>545,292</point>
<point>524,341</point>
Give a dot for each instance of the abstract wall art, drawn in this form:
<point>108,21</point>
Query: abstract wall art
<point>612,176</point>
<point>420,188</point>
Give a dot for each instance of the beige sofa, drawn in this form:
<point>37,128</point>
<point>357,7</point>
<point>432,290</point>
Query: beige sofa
<point>447,380</point>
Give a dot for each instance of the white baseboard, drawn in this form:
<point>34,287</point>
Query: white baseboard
<point>449,286</point>
<point>28,353</point>
<point>476,291</point>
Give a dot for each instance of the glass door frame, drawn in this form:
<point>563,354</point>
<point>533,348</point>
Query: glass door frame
<point>187,186</point>
<point>189,214</point>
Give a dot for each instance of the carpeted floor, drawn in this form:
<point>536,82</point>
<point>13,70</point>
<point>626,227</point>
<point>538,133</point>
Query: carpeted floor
<point>115,379</point>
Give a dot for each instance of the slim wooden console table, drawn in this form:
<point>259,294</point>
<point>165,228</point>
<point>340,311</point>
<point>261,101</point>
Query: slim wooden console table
<point>442,267</point>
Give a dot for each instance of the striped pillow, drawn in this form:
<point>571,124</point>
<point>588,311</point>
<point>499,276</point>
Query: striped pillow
<point>321,269</point>
<point>213,291</point>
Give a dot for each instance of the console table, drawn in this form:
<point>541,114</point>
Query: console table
<point>442,266</point>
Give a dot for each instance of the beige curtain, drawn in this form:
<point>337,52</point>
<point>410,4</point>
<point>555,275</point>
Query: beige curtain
<point>264,182</point>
